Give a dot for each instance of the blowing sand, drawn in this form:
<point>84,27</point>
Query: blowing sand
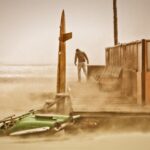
<point>20,96</point>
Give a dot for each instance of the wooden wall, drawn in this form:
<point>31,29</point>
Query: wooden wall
<point>134,58</point>
<point>94,71</point>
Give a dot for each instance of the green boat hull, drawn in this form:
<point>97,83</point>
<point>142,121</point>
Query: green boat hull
<point>34,123</point>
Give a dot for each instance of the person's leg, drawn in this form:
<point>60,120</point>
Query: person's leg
<point>79,71</point>
<point>84,69</point>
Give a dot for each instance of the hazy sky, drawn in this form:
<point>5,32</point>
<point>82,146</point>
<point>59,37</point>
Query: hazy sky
<point>29,29</point>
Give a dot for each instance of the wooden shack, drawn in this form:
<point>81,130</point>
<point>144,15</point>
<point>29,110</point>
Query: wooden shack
<point>125,79</point>
<point>133,59</point>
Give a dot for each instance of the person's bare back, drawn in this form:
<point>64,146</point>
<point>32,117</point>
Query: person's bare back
<point>81,58</point>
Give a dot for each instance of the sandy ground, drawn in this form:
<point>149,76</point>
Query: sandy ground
<point>83,141</point>
<point>21,96</point>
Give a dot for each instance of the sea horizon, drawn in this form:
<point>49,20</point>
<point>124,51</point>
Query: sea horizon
<point>34,70</point>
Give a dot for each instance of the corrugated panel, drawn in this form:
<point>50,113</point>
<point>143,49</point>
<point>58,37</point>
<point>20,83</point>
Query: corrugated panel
<point>111,72</point>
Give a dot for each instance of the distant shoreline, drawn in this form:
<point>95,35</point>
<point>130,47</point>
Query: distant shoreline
<point>32,79</point>
<point>33,65</point>
<point>8,79</point>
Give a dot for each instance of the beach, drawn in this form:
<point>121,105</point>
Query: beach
<point>24,88</point>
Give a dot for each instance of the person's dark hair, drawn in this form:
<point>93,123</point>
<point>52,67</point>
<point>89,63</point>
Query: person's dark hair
<point>77,50</point>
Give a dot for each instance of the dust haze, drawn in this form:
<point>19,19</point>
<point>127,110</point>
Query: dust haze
<point>29,33</point>
<point>19,95</point>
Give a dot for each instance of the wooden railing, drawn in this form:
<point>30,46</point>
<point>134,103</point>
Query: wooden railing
<point>134,59</point>
<point>125,55</point>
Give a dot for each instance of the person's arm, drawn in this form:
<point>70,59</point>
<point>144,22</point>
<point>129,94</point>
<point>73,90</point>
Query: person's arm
<point>75,59</point>
<point>86,58</point>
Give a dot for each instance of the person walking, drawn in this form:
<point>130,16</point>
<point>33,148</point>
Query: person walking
<point>81,58</point>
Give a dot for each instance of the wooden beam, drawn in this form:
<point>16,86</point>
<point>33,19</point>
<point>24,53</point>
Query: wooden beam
<point>143,70</point>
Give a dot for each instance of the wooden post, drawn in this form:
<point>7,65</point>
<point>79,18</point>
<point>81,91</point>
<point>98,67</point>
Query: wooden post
<point>61,69</point>
<point>107,56</point>
<point>147,73</point>
<point>115,22</point>
<point>143,71</point>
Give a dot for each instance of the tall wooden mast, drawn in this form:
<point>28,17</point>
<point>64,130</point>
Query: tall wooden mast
<point>61,69</point>
<point>115,22</point>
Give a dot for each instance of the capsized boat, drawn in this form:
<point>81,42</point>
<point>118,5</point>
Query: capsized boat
<point>31,123</point>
